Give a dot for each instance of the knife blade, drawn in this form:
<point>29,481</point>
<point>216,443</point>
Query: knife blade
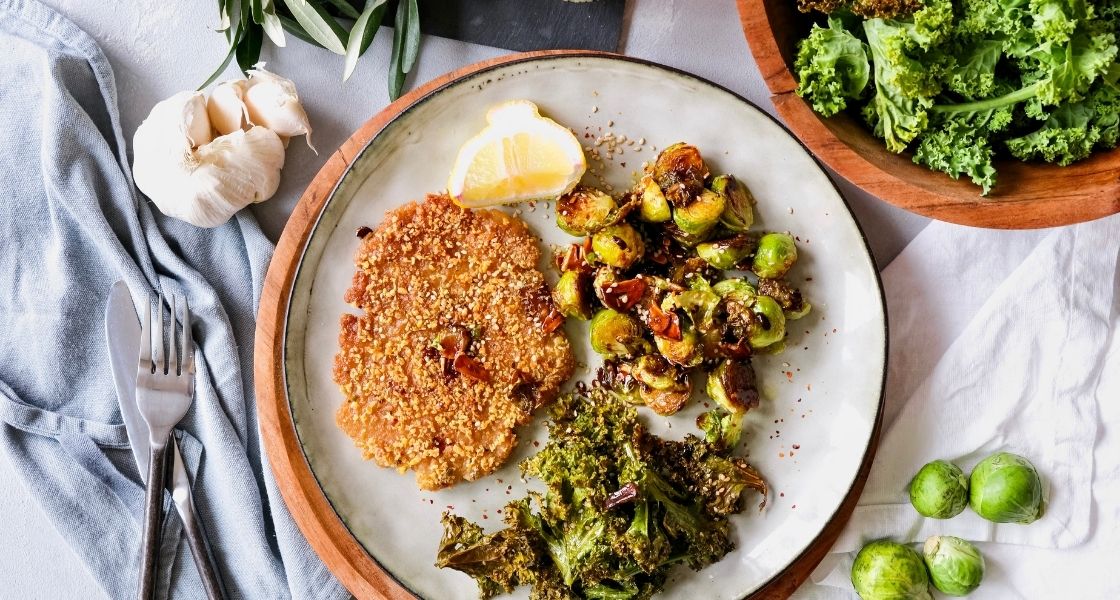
<point>122,330</point>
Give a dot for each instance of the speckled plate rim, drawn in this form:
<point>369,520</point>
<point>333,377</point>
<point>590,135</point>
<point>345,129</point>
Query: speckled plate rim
<point>298,484</point>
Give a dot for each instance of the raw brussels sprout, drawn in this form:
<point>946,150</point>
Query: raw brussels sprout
<point>1004,488</point>
<point>653,207</point>
<point>738,215</point>
<point>939,490</point>
<point>680,172</point>
<point>701,215</point>
<point>886,570</point>
<point>955,566</point>
<point>686,352</point>
<point>732,386</point>
<point>656,372</point>
<point>769,327</point>
<point>739,290</point>
<point>572,295</point>
<point>618,245</point>
<point>725,254</point>
<point>585,210</point>
<point>775,255</point>
<point>617,335</point>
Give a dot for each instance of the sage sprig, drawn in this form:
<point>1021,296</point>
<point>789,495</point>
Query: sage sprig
<point>345,27</point>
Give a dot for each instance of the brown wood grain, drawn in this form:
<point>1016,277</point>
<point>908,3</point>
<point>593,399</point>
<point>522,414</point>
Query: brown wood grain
<point>318,521</point>
<point>1027,195</point>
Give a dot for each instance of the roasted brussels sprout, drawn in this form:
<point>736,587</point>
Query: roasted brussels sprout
<point>787,296</point>
<point>686,352</point>
<point>654,208</point>
<point>618,245</point>
<point>726,254</point>
<point>701,215</point>
<point>939,490</point>
<point>617,335</point>
<point>738,215</point>
<point>739,290</point>
<point>769,327</point>
<point>721,428</point>
<point>732,386</point>
<point>585,210</point>
<point>686,240</point>
<point>775,255</point>
<point>656,372</point>
<point>665,402</point>
<point>680,172</point>
<point>886,570</point>
<point>572,295</point>
<point>700,304</point>
<point>956,567</point>
<point>1005,488</point>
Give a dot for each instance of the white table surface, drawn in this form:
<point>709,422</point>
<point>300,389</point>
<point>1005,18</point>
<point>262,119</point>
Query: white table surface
<point>158,48</point>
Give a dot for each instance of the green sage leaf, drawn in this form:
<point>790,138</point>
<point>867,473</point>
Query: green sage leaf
<point>318,24</point>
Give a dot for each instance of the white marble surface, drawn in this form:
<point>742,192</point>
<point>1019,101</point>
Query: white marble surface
<point>158,48</point>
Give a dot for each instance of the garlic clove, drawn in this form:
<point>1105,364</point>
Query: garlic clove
<point>273,102</point>
<point>226,107</point>
<point>184,117</point>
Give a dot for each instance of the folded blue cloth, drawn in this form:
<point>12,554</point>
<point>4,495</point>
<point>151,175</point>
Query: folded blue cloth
<point>72,224</point>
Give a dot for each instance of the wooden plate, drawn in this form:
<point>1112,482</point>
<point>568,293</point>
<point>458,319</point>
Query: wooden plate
<point>1027,195</point>
<point>372,527</point>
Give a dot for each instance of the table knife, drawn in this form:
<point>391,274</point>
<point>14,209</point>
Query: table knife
<point>122,331</point>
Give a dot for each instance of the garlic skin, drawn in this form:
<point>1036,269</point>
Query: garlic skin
<point>202,183</point>
<point>272,101</point>
<point>226,107</point>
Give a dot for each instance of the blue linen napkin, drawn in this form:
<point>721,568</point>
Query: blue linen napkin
<point>71,224</point>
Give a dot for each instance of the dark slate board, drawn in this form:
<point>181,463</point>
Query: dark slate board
<point>525,24</point>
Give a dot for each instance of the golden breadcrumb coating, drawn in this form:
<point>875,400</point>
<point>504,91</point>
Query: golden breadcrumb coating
<point>433,270</point>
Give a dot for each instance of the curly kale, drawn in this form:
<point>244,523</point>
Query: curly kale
<point>622,507</point>
<point>961,83</point>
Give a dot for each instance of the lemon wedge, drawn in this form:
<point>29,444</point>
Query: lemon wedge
<point>519,156</point>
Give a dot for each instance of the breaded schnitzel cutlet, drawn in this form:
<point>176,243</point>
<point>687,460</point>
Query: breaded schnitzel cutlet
<point>453,350</point>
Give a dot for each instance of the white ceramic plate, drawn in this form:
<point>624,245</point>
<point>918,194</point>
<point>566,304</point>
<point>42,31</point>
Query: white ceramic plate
<point>821,397</point>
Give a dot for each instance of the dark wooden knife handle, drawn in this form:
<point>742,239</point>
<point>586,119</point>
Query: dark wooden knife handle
<point>203,559</point>
<point>153,517</point>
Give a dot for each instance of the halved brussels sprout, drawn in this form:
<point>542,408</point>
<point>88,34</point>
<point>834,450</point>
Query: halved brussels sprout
<point>769,326</point>
<point>787,296</point>
<point>739,290</point>
<point>665,402</point>
<point>654,208</point>
<point>721,427</point>
<point>700,304</point>
<point>680,172</point>
<point>732,385</point>
<point>656,372</point>
<point>726,254</point>
<point>775,255</point>
<point>572,295</point>
<point>686,352</point>
<point>738,215</point>
<point>585,210</point>
<point>618,245</point>
<point>701,215</point>
<point>686,240</point>
<point>617,335</point>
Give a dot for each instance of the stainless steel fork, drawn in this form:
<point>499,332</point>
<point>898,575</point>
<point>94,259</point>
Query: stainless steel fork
<point>164,388</point>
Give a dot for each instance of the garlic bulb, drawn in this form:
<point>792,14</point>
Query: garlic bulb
<point>226,107</point>
<point>272,102</point>
<point>201,180</point>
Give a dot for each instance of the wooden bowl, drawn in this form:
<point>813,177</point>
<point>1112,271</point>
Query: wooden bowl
<point>1027,195</point>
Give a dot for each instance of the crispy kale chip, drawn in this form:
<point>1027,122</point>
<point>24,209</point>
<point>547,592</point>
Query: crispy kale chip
<point>621,507</point>
<point>832,68</point>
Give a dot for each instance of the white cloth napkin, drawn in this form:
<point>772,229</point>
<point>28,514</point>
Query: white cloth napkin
<point>1002,341</point>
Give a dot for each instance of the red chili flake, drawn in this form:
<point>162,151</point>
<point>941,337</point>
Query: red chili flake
<point>789,375</point>
<point>797,446</point>
<point>623,295</point>
<point>552,321</point>
<point>794,506</point>
<point>471,368</point>
<point>782,495</point>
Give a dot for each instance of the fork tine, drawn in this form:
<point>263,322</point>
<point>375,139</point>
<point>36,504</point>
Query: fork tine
<point>160,355</point>
<point>173,348</point>
<point>146,338</point>
<point>188,339</point>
